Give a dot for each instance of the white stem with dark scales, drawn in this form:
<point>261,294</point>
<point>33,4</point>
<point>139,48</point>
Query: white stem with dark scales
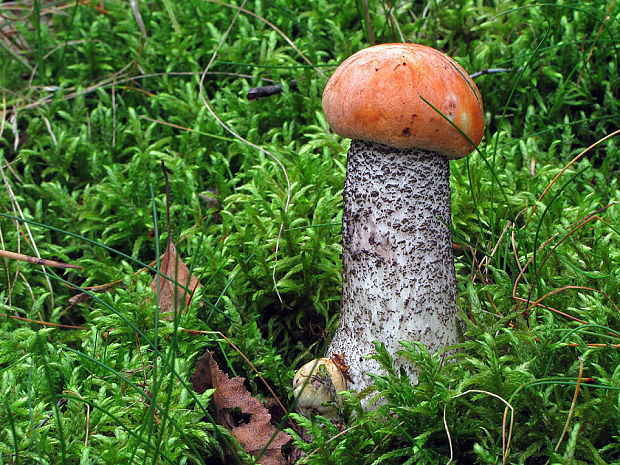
<point>398,266</point>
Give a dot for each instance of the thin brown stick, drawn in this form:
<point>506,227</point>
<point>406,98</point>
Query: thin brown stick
<point>570,163</point>
<point>40,322</point>
<point>580,224</point>
<point>83,296</point>
<point>551,309</point>
<point>242,139</point>
<point>553,249</point>
<point>505,440</point>
<point>555,291</point>
<point>35,260</point>
<point>572,405</point>
<point>87,414</point>
<point>527,264</point>
<point>600,29</point>
<point>594,344</point>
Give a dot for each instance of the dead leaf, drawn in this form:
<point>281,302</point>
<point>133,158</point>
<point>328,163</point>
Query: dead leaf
<point>173,296</point>
<point>229,394</point>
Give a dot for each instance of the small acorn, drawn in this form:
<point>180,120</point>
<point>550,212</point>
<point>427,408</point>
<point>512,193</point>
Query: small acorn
<point>316,386</point>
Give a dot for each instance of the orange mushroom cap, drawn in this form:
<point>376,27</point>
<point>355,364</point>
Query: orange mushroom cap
<point>376,95</point>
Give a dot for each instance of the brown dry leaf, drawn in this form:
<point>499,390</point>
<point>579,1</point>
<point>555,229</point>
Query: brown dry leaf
<point>230,393</point>
<point>171,295</point>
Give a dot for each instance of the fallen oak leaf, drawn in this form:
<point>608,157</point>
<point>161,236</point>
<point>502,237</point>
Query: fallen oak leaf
<point>83,296</point>
<point>258,434</point>
<point>173,281</point>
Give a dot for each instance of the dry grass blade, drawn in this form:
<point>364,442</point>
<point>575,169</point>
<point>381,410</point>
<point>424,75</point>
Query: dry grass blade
<point>87,415</point>
<point>598,34</point>
<point>445,425</point>
<point>572,406</point>
<point>341,433</point>
<point>568,165</point>
<point>486,261</point>
<point>138,17</point>
<point>72,92</point>
<point>575,287</point>
<point>505,440</point>
<point>580,224</point>
<point>10,39</point>
<point>274,27</point>
<point>17,212</point>
<point>40,322</point>
<point>575,227</point>
<point>553,249</point>
<point>247,142</point>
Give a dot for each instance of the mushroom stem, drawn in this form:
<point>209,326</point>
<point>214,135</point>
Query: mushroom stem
<point>398,268</point>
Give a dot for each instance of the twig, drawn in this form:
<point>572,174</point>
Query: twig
<point>445,425</point>
<point>35,260</point>
<point>83,296</point>
<point>138,17</point>
<point>484,71</point>
<point>62,405</point>
<point>43,323</point>
<point>583,152</point>
<point>268,91</point>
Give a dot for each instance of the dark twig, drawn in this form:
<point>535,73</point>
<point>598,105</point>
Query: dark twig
<point>267,91</point>
<point>83,296</point>
<point>62,405</point>
<point>484,71</point>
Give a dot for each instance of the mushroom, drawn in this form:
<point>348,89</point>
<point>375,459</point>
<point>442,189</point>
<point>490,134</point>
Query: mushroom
<point>316,386</point>
<point>399,281</point>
